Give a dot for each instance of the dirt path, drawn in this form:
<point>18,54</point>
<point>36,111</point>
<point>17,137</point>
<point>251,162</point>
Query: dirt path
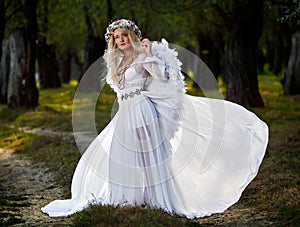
<point>25,188</point>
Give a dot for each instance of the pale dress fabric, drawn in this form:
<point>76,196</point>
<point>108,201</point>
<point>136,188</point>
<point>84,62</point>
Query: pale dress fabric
<point>190,156</point>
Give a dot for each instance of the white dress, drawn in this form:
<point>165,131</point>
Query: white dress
<point>190,156</point>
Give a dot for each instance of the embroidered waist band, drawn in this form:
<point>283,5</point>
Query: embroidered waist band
<point>131,94</point>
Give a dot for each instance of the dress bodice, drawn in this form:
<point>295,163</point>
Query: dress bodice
<point>131,83</point>
<point>133,78</point>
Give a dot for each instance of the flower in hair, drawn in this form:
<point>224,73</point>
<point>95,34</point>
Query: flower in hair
<point>122,23</point>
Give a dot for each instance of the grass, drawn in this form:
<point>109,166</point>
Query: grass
<point>126,216</point>
<point>54,111</point>
<point>272,198</point>
<point>12,138</point>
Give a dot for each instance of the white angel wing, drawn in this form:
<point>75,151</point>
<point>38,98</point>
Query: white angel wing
<point>167,95</point>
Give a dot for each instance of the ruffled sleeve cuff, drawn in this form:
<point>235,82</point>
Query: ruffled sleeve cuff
<point>156,67</point>
<point>153,59</point>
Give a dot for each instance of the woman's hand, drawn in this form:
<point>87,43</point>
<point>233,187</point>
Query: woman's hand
<point>147,45</point>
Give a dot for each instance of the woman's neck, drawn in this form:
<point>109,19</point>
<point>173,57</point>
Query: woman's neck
<point>128,52</point>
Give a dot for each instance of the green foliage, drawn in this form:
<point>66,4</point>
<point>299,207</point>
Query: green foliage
<point>14,16</point>
<point>63,22</point>
<point>291,10</point>
<point>66,28</point>
<point>182,22</point>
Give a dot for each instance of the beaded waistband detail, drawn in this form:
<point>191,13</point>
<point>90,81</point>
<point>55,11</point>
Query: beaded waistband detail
<point>131,94</point>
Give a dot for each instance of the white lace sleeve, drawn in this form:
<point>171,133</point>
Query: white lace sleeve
<point>166,87</point>
<point>164,66</point>
<point>155,67</point>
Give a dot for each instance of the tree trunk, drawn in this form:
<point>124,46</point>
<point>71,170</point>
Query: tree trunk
<point>260,61</point>
<point>241,74</point>
<point>270,56</point>
<point>241,53</point>
<point>278,58</point>
<point>210,56</point>
<point>94,47</point>
<point>65,68</point>
<point>46,55</point>
<point>110,11</point>
<point>48,67</point>
<point>2,23</point>
<point>292,78</point>
<point>30,88</point>
<point>22,89</point>
<point>4,71</point>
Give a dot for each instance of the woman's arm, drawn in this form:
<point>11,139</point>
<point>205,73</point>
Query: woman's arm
<point>154,66</point>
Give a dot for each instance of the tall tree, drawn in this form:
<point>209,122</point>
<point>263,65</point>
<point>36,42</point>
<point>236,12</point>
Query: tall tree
<point>2,23</point>
<point>292,78</point>
<point>8,9</point>
<point>95,45</point>
<point>4,71</point>
<point>22,90</point>
<point>66,31</point>
<point>65,67</point>
<point>240,23</point>
<point>32,27</point>
<point>3,59</point>
<point>243,22</point>
<point>275,39</point>
<point>46,53</point>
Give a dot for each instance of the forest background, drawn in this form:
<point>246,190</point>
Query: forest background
<point>251,46</point>
<point>44,40</point>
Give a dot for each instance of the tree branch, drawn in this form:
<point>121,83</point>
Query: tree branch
<point>19,9</point>
<point>7,5</point>
<point>183,7</point>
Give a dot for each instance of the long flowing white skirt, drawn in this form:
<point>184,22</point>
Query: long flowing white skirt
<point>202,169</point>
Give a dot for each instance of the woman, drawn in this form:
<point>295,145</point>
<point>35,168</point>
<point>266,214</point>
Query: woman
<point>190,156</point>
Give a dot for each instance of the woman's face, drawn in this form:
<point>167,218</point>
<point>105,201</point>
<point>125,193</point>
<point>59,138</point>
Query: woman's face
<point>121,38</point>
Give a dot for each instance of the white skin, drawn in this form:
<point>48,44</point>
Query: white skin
<point>123,43</point>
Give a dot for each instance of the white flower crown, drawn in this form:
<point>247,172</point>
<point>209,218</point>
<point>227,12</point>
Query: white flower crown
<point>122,23</point>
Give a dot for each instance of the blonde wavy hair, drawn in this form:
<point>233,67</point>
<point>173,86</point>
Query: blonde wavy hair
<point>114,54</point>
